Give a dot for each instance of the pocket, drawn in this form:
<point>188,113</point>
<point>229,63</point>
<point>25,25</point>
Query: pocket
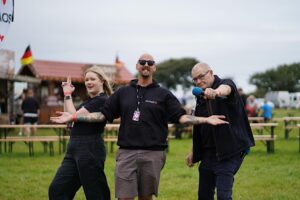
<point>125,167</point>
<point>118,154</point>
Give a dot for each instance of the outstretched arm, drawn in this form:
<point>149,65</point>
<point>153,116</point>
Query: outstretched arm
<point>193,120</point>
<point>221,91</point>
<point>87,117</point>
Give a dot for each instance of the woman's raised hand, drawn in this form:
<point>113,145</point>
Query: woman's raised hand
<point>68,88</point>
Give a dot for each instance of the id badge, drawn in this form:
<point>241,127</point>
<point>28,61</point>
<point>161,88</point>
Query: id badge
<point>136,115</point>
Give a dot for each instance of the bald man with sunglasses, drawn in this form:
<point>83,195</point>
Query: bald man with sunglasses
<point>145,109</point>
<point>220,149</point>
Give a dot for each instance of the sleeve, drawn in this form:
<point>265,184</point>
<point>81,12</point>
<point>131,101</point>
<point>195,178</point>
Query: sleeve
<point>234,95</point>
<point>174,108</point>
<point>111,108</point>
<point>95,104</point>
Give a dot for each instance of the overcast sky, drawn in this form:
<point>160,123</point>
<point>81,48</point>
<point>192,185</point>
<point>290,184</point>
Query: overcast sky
<point>237,38</point>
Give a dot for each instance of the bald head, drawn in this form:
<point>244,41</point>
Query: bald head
<point>146,56</point>
<point>200,68</point>
<point>146,67</point>
<point>202,75</point>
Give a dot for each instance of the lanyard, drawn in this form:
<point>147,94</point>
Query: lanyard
<point>139,98</point>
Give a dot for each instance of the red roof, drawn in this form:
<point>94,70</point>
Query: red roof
<point>58,71</point>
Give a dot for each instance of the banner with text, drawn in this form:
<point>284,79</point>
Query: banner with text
<point>6,17</point>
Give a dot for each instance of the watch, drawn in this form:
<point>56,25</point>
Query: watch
<point>68,97</point>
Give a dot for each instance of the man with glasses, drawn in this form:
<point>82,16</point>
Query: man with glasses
<point>145,109</point>
<point>221,149</point>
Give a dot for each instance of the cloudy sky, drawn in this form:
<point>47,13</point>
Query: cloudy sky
<point>237,38</point>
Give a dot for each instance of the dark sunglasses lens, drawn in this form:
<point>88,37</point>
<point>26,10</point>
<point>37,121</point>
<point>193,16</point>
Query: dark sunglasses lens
<point>150,62</point>
<point>142,62</point>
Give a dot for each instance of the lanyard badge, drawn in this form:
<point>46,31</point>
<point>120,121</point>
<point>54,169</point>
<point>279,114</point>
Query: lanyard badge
<point>136,115</point>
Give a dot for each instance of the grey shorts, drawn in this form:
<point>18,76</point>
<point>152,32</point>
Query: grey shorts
<point>137,172</point>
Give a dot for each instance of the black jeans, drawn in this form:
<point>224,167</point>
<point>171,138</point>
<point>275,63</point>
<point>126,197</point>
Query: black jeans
<point>83,165</point>
<point>217,174</point>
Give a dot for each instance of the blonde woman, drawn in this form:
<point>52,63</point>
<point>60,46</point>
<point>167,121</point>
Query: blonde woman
<point>83,164</point>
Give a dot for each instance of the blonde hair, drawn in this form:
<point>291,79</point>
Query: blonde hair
<point>97,70</point>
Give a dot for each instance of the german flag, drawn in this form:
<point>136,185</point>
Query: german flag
<point>27,57</point>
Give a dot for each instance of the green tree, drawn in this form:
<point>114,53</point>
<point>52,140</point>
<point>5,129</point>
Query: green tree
<point>284,77</point>
<point>173,72</point>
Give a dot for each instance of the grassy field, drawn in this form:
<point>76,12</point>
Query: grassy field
<point>262,176</point>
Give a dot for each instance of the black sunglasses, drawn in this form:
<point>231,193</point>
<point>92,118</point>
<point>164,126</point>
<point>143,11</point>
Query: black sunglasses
<point>143,62</point>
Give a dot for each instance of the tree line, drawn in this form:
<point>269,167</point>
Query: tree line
<point>175,72</point>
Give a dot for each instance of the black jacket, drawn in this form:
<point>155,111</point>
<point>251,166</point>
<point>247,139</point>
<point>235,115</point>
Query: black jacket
<point>157,107</point>
<point>228,139</point>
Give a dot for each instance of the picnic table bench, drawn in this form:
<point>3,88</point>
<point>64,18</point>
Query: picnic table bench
<point>268,140</point>
<point>256,119</point>
<point>110,136</point>
<point>45,140</point>
<point>289,124</point>
<point>59,129</point>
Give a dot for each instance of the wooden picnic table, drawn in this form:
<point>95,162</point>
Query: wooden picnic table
<point>261,126</point>
<point>256,119</point>
<point>61,131</point>
<point>268,140</point>
<point>290,123</point>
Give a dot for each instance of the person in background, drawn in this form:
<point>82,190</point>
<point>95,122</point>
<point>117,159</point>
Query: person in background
<point>221,149</point>
<point>251,107</point>
<point>266,111</point>
<point>145,109</point>
<point>83,164</point>
<point>18,110</point>
<point>31,110</point>
<point>3,105</point>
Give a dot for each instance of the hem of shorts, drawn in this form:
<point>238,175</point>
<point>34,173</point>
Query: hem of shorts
<point>145,148</point>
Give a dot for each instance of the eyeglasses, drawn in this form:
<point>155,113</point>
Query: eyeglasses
<point>143,62</point>
<point>200,77</point>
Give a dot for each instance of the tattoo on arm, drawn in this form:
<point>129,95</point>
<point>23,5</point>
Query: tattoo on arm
<point>91,117</point>
<point>192,120</point>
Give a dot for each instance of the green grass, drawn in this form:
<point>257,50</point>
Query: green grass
<point>262,176</point>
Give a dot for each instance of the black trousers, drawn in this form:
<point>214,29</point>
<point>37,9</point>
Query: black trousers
<point>83,165</point>
<point>215,174</point>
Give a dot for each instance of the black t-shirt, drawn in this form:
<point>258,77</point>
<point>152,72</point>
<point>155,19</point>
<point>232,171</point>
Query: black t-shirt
<point>227,139</point>
<point>88,128</point>
<point>157,107</point>
<point>30,105</point>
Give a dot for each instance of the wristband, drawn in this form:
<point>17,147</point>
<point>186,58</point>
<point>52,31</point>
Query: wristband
<point>67,93</point>
<point>73,117</point>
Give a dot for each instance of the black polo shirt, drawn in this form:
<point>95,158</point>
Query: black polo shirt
<point>157,106</point>
<point>227,139</point>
